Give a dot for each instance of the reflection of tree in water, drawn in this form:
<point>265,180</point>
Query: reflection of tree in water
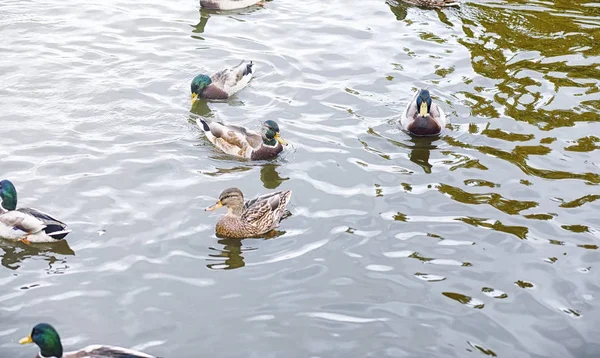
<point>16,253</point>
<point>200,108</point>
<point>526,50</point>
<point>270,177</point>
<point>398,8</point>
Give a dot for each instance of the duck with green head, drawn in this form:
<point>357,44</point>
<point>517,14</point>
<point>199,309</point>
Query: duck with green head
<point>48,341</point>
<point>423,117</point>
<point>222,84</point>
<point>252,218</point>
<point>241,142</point>
<point>25,224</point>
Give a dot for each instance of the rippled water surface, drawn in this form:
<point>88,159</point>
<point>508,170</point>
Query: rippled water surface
<point>483,241</point>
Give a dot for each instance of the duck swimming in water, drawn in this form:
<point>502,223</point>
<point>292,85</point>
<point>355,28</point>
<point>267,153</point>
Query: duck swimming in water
<point>252,218</point>
<point>242,142</point>
<point>25,224</point>
<point>422,117</point>
<point>222,84</point>
<point>48,341</point>
<point>229,4</point>
<point>433,3</point>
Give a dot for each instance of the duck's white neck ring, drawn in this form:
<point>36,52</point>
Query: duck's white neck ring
<point>42,356</point>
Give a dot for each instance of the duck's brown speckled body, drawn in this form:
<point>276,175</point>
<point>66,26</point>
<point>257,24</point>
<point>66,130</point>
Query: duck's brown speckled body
<point>433,3</point>
<point>253,218</point>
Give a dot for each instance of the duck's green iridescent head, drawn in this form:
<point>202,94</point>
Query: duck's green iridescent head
<point>270,133</point>
<point>424,102</point>
<point>47,339</point>
<point>8,194</point>
<point>199,83</point>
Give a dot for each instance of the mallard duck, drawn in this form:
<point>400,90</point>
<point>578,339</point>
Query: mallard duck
<point>26,224</point>
<point>48,340</point>
<point>433,3</point>
<point>253,218</point>
<point>241,142</point>
<point>222,84</point>
<point>422,117</point>
<point>229,4</point>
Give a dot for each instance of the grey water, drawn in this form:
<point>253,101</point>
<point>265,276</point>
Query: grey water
<point>481,242</point>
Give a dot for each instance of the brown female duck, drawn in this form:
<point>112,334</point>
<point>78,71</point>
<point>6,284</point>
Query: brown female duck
<point>432,3</point>
<point>241,142</point>
<point>253,218</point>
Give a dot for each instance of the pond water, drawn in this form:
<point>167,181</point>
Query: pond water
<point>483,241</point>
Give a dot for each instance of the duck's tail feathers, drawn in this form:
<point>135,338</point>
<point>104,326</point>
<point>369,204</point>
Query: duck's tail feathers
<point>247,68</point>
<point>284,199</point>
<point>56,235</point>
<point>286,195</point>
<point>286,214</point>
<point>203,124</point>
<point>451,3</point>
<point>244,73</point>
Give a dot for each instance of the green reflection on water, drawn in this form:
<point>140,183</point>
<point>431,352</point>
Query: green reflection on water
<point>270,177</point>
<point>514,44</point>
<point>16,252</point>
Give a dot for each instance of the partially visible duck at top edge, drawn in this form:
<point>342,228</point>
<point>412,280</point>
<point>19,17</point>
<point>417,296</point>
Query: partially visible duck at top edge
<point>229,4</point>
<point>433,3</point>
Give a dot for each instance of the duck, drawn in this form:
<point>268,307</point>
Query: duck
<point>242,142</point>
<point>222,84</point>
<point>422,117</point>
<point>252,218</point>
<point>433,3</point>
<point>26,224</point>
<point>48,341</point>
<point>229,4</point>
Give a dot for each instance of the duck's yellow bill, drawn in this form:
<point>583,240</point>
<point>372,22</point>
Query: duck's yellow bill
<point>216,205</point>
<point>26,340</point>
<point>279,139</point>
<point>423,110</point>
<point>194,97</point>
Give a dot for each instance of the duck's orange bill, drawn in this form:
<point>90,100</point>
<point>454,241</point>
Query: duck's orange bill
<point>216,205</point>
<point>26,340</point>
